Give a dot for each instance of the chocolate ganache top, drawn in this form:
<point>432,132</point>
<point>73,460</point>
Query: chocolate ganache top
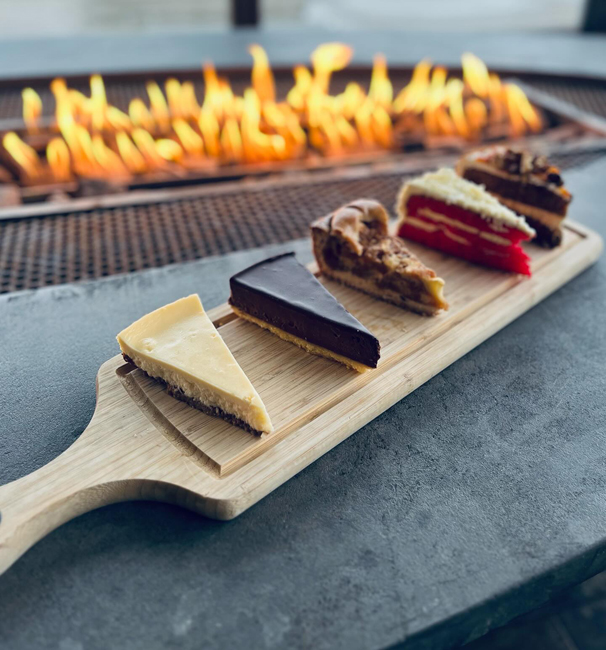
<point>282,292</point>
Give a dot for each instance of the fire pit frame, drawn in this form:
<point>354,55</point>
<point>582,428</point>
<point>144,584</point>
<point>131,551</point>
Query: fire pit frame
<point>55,243</point>
<point>163,186</point>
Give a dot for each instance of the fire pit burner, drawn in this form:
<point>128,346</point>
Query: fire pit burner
<point>48,243</point>
<point>88,141</point>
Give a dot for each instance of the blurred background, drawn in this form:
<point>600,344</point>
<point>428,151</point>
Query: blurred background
<point>58,17</point>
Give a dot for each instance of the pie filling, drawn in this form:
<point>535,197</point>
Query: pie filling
<point>353,246</point>
<point>383,266</point>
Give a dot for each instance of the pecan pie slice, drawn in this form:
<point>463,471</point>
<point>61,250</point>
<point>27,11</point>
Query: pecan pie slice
<point>353,246</point>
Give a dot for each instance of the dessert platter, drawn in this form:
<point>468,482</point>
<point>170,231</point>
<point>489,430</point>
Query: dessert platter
<point>214,410</point>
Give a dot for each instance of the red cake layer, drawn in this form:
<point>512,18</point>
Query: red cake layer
<point>465,237</point>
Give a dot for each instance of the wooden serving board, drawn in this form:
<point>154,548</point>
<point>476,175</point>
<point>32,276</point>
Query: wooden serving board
<point>143,444</point>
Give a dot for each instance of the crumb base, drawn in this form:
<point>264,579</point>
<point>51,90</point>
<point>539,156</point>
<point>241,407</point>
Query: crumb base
<point>302,343</point>
<point>214,411</point>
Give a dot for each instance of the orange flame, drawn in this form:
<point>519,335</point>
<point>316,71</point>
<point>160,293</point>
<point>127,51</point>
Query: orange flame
<point>172,127</point>
<point>59,159</point>
<point>169,149</point>
<point>209,128</point>
<point>24,155</point>
<point>326,59</point>
<point>32,108</point>
<point>109,161</point>
<point>140,115</point>
<point>521,111</point>
<point>413,96</point>
<point>147,147</point>
<point>464,107</point>
<point>191,142</point>
<point>132,157</point>
<point>158,104</point>
<point>262,77</point>
<point>98,102</point>
<point>381,90</point>
<point>475,74</point>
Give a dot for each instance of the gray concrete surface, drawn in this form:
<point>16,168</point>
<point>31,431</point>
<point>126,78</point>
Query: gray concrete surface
<point>64,17</point>
<point>540,52</point>
<point>474,499</point>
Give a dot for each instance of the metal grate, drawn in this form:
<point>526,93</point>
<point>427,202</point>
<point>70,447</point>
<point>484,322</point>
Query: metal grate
<point>589,95</point>
<point>73,246</point>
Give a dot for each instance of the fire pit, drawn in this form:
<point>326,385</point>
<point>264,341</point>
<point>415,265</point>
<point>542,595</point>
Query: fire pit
<point>82,212</point>
<point>146,132</point>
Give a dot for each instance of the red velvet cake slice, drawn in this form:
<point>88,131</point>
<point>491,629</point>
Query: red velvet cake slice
<point>446,212</point>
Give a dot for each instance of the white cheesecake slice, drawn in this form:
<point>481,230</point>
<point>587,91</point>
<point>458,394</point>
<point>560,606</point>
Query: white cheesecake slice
<point>179,345</point>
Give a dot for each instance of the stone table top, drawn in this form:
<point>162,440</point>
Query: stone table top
<point>470,501</point>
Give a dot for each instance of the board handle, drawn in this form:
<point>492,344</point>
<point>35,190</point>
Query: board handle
<point>36,504</point>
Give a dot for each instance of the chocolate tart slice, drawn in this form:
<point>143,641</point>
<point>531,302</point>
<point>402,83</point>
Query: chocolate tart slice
<point>179,346</point>
<point>527,184</point>
<point>282,296</point>
<point>353,246</point>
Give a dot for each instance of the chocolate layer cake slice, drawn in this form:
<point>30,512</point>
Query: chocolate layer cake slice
<point>456,216</point>
<point>179,346</point>
<point>353,246</point>
<point>526,183</point>
<point>282,296</point>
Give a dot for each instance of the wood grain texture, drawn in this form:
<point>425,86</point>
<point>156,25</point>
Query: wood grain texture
<point>143,444</point>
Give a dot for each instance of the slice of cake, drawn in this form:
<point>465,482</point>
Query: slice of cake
<point>526,183</point>
<point>353,246</point>
<point>282,296</point>
<point>444,211</point>
<point>179,345</point>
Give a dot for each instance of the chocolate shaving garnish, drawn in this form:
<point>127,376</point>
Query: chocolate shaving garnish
<point>525,164</point>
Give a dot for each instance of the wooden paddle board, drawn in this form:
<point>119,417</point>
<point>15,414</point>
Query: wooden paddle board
<point>143,444</point>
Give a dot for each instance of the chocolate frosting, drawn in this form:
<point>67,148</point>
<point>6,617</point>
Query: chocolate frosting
<point>283,293</point>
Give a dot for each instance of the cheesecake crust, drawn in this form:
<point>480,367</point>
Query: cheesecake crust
<point>215,411</point>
